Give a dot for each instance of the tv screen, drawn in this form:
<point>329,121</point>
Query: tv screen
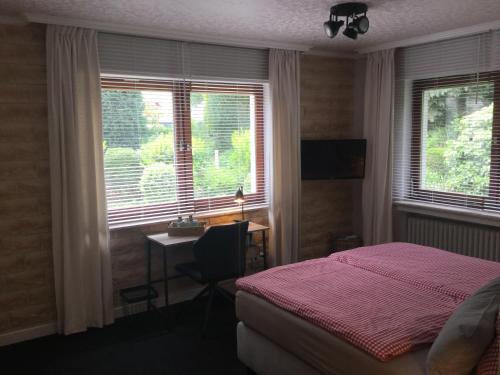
<point>332,159</point>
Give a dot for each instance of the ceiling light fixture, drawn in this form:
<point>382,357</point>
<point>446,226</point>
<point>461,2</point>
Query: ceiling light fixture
<point>356,12</point>
<point>332,27</point>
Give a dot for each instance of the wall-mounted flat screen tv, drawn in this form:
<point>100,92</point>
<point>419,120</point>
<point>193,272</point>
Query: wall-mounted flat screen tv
<point>333,159</point>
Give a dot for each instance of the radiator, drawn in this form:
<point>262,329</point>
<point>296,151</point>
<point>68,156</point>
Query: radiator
<point>462,238</point>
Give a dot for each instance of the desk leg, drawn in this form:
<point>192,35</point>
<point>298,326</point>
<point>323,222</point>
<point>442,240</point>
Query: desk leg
<point>148,273</point>
<point>165,280</point>
<point>264,250</point>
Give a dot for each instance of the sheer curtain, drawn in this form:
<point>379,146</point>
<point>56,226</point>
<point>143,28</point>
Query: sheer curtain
<point>80,234</point>
<point>284,156</point>
<point>378,119</point>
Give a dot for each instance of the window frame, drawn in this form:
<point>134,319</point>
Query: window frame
<point>181,91</point>
<point>258,92</point>
<point>416,192</point>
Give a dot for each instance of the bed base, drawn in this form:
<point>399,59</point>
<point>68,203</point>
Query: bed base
<point>264,357</point>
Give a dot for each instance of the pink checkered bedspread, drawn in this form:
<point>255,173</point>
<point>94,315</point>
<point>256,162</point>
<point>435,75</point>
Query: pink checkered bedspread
<point>385,299</point>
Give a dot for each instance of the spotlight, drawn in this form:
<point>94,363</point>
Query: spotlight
<point>332,27</point>
<point>361,24</point>
<point>355,12</point>
<point>350,32</point>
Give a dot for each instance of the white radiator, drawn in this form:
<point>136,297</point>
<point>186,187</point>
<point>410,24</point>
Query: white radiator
<point>462,238</point>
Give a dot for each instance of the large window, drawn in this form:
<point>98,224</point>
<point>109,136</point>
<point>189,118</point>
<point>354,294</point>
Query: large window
<point>455,149</point>
<point>180,147</point>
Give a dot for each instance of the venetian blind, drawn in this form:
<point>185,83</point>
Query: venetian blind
<point>183,127</point>
<point>160,58</point>
<point>447,123</point>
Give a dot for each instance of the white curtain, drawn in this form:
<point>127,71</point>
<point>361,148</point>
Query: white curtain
<point>80,235</point>
<point>378,119</point>
<point>284,156</point>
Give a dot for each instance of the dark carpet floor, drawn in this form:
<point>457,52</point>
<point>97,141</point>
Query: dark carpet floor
<point>139,344</point>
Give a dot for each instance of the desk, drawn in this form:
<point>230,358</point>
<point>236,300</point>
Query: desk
<point>165,242</point>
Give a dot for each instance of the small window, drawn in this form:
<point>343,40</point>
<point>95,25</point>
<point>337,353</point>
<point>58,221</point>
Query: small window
<point>454,156</point>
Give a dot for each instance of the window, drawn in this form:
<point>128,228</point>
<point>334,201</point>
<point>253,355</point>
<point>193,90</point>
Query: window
<point>455,149</point>
<point>180,147</point>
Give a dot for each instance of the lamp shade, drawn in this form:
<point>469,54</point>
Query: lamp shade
<point>332,27</point>
<point>239,197</point>
<point>350,32</point>
<point>361,24</point>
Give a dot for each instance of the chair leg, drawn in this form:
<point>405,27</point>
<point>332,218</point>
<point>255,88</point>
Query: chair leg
<point>200,294</point>
<point>225,294</point>
<point>188,306</point>
<point>208,308</point>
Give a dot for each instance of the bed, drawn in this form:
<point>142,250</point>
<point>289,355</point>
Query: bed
<point>370,310</point>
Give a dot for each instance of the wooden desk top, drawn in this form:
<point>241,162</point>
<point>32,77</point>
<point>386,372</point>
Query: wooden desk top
<point>254,227</point>
<point>163,239</point>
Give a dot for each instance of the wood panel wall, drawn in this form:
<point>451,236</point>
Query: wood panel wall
<point>326,113</point>
<point>26,281</point>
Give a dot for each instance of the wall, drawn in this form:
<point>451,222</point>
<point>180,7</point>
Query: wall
<point>358,99</point>
<point>326,113</point>
<point>26,282</point>
<point>26,275</point>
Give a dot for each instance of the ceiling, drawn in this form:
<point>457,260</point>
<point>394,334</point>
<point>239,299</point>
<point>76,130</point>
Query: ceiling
<point>279,21</point>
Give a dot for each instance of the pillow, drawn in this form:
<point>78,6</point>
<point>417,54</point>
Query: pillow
<point>488,364</point>
<point>467,333</point>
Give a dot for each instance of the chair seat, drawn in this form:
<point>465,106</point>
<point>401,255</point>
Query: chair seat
<point>191,269</point>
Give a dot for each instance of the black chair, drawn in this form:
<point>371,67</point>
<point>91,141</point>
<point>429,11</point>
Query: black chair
<point>219,255</point>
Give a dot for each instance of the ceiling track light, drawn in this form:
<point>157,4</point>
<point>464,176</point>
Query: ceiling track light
<point>356,12</point>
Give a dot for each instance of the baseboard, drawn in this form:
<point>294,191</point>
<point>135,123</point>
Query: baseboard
<point>47,329</point>
<point>25,334</point>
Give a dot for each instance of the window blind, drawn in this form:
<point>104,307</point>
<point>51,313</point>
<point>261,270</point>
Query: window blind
<point>160,58</point>
<point>206,61</point>
<point>181,147</point>
<point>446,148</point>
<point>126,55</point>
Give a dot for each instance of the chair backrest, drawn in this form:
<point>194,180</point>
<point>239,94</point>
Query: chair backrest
<point>220,252</point>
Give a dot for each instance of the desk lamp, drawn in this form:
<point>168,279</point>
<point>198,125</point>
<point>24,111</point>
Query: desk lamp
<point>240,199</point>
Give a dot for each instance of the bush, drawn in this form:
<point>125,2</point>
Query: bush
<point>158,183</point>
<point>160,149</point>
<point>232,169</point>
<point>123,173</point>
<point>468,156</point>
<point>458,156</point>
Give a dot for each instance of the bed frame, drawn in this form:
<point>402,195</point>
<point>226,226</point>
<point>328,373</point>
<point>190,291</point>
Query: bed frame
<point>264,357</point>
